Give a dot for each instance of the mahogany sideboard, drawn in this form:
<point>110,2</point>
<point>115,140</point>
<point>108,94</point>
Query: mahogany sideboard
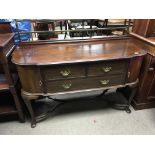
<point>73,66</point>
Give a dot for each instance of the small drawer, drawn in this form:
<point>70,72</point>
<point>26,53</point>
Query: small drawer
<point>81,84</point>
<point>63,72</point>
<point>107,68</point>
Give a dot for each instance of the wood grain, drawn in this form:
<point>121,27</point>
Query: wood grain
<point>5,27</point>
<point>61,53</point>
<point>5,38</point>
<point>88,83</point>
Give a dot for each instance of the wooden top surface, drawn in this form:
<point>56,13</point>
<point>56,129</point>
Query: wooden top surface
<point>59,53</point>
<point>5,38</point>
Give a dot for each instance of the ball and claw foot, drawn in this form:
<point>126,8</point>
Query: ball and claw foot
<point>128,110</point>
<point>33,125</point>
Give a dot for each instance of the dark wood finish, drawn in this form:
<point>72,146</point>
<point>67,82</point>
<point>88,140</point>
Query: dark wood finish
<point>144,31</point>
<point>87,83</point>
<point>8,48</point>
<point>3,83</point>
<point>7,82</point>
<point>44,62</point>
<point>134,69</point>
<point>146,43</point>
<point>44,26</point>
<point>7,105</point>
<point>145,96</point>
<point>107,68</point>
<point>33,78</point>
<point>30,78</point>
<point>75,52</point>
<point>151,72</point>
<point>5,27</point>
<point>63,71</point>
<point>5,39</point>
<point>7,109</point>
<point>144,27</point>
<point>48,69</point>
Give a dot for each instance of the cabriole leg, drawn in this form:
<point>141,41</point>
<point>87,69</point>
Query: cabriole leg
<point>27,99</point>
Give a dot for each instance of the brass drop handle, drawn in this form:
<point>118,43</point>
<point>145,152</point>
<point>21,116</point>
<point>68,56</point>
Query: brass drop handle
<point>106,69</point>
<point>65,73</point>
<point>104,82</point>
<point>129,74</point>
<point>151,69</point>
<point>67,86</point>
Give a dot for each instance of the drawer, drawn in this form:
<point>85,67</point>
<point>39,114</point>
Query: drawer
<point>85,83</point>
<point>107,68</point>
<point>63,72</point>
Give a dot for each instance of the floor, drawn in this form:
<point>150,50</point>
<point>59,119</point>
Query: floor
<point>89,117</point>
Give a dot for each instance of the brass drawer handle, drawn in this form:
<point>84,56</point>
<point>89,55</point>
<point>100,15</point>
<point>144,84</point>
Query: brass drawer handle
<point>67,86</point>
<point>151,69</point>
<point>104,82</point>
<point>65,73</point>
<point>129,74</point>
<point>106,69</point>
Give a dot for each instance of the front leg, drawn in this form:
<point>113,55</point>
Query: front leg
<point>129,92</point>
<point>27,99</point>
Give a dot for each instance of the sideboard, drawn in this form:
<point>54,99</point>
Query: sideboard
<point>73,66</point>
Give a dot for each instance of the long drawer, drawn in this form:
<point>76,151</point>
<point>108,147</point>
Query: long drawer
<point>63,72</point>
<point>85,83</point>
<point>107,68</point>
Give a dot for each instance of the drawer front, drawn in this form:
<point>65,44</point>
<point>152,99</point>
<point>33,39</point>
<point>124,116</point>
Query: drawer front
<point>87,83</point>
<point>107,68</point>
<point>63,72</point>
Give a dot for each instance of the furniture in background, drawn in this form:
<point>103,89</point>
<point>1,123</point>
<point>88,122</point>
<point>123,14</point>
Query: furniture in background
<point>144,27</point>
<point>5,27</point>
<point>144,31</point>
<point>121,27</point>
<point>44,25</point>
<point>49,29</point>
<point>11,103</point>
<point>81,24</point>
<point>49,69</point>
